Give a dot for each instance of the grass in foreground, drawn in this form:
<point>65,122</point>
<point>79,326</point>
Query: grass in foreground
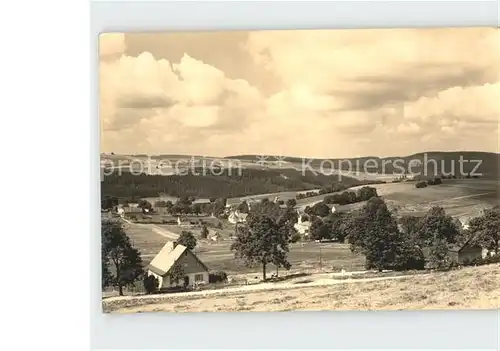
<point>468,288</point>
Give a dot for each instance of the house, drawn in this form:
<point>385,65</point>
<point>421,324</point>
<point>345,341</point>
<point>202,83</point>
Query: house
<point>461,253</point>
<point>465,252</point>
<point>195,271</point>
<point>237,217</point>
<point>162,211</point>
<point>302,227</point>
<point>132,208</point>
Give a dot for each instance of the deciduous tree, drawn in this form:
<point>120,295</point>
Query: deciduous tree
<point>117,251</point>
<point>262,241</point>
<point>187,239</point>
<point>487,229</point>
<point>204,232</point>
<point>374,232</point>
<point>320,209</point>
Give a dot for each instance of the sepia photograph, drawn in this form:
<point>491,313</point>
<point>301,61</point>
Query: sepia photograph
<point>300,170</point>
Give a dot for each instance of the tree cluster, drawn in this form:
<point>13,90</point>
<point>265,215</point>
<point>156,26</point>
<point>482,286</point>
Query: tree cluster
<point>436,232</point>
<point>486,229</point>
<point>333,227</point>
<point>373,231</point>
<point>350,197</point>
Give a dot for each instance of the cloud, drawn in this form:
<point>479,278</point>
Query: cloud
<point>473,103</point>
<point>166,98</point>
<point>320,92</point>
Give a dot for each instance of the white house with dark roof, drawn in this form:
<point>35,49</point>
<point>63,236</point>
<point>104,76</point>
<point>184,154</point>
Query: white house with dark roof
<point>237,217</point>
<point>302,227</point>
<point>195,271</point>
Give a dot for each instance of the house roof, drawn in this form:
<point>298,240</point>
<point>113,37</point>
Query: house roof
<point>239,215</point>
<point>456,247</point>
<point>166,258</point>
<point>468,242</point>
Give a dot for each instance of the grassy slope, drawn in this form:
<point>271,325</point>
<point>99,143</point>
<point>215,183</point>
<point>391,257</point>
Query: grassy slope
<point>468,288</point>
<point>462,198</point>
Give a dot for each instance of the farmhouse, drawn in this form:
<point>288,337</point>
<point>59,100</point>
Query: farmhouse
<point>302,227</point>
<point>132,208</point>
<point>461,253</point>
<point>195,271</point>
<point>237,217</point>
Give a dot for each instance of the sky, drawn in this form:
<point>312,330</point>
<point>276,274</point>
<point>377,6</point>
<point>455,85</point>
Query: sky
<point>311,93</point>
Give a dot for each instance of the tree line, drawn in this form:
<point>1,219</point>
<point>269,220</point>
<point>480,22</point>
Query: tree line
<point>230,183</point>
<point>350,197</point>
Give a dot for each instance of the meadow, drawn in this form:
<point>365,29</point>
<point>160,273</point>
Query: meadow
<point>306,256</point>
<point>466,288</point>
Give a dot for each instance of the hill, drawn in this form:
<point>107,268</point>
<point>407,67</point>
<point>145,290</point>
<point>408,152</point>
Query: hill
<point>428,163</point>
<point>228,184</point>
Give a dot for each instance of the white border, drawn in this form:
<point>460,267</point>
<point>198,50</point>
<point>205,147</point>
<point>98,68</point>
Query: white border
<point>348,330</point>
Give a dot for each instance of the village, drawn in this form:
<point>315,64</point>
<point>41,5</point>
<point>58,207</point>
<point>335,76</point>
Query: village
<point>187,245</point>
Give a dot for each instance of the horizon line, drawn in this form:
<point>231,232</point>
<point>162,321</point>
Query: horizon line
<point>295,156</point>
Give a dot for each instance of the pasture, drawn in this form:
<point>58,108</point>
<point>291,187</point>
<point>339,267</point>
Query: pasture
<point>461,198</point>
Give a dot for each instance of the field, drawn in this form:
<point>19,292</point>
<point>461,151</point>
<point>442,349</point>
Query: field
<point>461,198</point>
<point>467,288</point>
<point>218,256</point>
<point>303,257</point>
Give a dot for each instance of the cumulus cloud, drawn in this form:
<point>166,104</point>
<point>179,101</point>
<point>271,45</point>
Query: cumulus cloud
<point>471,103</point>
<point>377,91</point>
<point>163,100</point>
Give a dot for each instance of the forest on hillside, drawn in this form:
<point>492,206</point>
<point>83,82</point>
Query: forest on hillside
<point>226,185</point>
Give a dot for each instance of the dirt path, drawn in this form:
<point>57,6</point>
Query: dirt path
<point>154,228</point>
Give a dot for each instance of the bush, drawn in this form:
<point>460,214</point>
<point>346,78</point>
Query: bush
<point>217,277</point>
<point>435,181</point>
<point>150,284</point>
<point>412,259</point>
<point>482,261</point>
<point>421,184</point>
